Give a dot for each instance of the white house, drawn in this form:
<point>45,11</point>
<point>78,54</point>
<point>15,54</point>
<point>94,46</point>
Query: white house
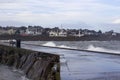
<point>53,33</point>
<point>114,34</point>
<point>60,33</point>
<point>34,31</point>
<point>79,34</point>
<point>11,31</point>
<point>29,32</point>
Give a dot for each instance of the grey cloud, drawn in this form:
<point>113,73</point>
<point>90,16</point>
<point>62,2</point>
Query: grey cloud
<point>56,11</point>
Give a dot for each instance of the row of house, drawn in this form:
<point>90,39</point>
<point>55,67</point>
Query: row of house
<point>56,32</point>
<point>10,31</point>
<point>51,32</point>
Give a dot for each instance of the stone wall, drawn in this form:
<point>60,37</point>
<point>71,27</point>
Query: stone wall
<point>36,65</point>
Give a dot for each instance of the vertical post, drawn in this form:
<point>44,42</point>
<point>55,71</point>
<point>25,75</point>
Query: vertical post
<point>18,43</point>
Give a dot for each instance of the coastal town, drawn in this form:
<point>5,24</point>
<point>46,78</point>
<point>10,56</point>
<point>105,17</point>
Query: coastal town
<point>52,32</point>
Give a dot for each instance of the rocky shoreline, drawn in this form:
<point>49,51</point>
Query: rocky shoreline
<point>46,38</point>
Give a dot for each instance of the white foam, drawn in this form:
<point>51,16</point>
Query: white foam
<point>52,44</point>
<point>63,60</point>
<point>63,46</point>
<point>101,49</point>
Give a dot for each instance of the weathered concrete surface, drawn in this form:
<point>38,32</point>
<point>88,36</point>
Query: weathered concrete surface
<point>36,65</point>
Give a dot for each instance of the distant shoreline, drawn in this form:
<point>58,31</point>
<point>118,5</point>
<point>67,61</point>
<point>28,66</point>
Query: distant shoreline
<point>45,38</point>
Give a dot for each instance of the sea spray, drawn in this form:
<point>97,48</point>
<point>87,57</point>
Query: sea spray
<point>63,46</point>
<point>101,46</point>
<point>101,49</point>
<point>52,44</point>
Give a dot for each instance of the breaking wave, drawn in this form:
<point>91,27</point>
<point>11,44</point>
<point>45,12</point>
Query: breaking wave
<point>90,47</point>
<point>52,44</point>
<point>63,46</point>
<point>101,49</point>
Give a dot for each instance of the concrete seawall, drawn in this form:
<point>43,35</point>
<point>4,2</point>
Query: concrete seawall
<point>36,65</point>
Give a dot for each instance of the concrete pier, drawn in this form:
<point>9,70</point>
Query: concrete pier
<point>35,65</point>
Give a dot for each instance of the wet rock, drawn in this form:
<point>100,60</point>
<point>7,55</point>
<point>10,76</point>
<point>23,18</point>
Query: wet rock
<point>10,58</point>
<point>17,60</point>
<point>28,63</point>
<point>1,52</point>
<point>22,60</point>
<point>36,70</point>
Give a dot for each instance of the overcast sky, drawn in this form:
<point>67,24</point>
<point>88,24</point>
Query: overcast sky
<point>91,14</point>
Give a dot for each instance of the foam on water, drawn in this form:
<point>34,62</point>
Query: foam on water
<point>101,49</point>
<point>90,47</point>
<point>63,46</point>
<point>52,44</point>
